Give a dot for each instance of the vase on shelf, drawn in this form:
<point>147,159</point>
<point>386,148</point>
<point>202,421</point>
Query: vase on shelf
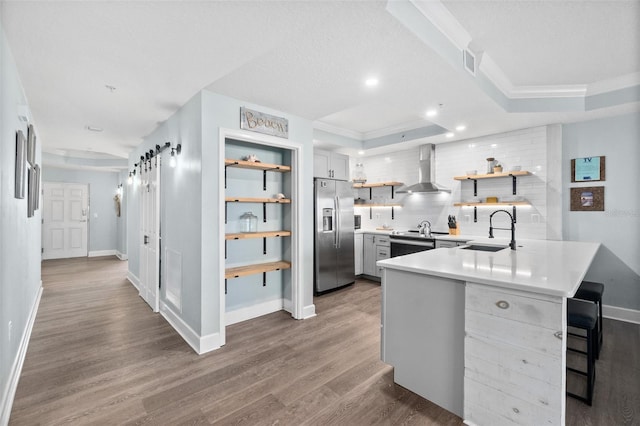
<point>248,222</point>
<point>490,163</point>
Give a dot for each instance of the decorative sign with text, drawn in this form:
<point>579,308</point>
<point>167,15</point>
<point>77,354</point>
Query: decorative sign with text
<point>588,169</point>
<point>263,123</point>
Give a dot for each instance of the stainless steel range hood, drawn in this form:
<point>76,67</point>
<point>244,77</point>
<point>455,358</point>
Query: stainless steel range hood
<point>426,173</point>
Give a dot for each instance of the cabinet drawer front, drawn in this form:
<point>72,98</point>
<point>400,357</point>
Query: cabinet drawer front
<point>382,253</point>
<point>382,241</point>
<point>517,307</point>
<point>484,405</point>
<point>523,362</point>
<point>526,336</point>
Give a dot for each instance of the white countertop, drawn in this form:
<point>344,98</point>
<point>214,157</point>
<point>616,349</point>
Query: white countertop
<point>548,267</point>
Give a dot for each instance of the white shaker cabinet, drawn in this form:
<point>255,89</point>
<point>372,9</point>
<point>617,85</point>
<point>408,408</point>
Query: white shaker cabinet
<point>358,249</point>
<point>330,165</point>
<point>376,247</point>
<point>369,250</point>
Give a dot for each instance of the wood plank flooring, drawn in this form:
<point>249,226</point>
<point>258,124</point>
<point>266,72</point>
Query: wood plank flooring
<point>98,355</point>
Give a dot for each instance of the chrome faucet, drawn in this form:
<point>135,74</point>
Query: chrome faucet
<point>423,226</point>
<point>512,244</point>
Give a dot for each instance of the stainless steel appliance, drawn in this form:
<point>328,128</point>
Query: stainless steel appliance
<point>410,242</point>
<point>334,239</point>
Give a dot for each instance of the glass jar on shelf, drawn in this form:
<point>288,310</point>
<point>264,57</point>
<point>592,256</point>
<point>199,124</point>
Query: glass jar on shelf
<point>248,222</point>
<point>358,174</point>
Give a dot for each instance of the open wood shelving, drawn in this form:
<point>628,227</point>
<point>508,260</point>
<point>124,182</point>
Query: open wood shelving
<point>264,234</point>
<point>256,268</point>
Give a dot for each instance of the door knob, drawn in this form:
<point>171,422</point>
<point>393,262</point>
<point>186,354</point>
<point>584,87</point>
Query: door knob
<point>146,239</point>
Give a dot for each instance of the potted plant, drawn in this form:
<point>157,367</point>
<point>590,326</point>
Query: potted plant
<point>497,167</point>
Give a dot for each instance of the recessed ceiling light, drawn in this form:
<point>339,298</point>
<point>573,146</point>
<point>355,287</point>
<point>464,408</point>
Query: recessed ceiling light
<point>449,134</point>
<point>494,145</point>
<point>94,129</point>
<point>361,152</point>
<point>371,82</point>
<point>432,112</point>
<point>460,127</point>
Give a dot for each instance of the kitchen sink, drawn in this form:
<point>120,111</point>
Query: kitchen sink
<point>479,247</point>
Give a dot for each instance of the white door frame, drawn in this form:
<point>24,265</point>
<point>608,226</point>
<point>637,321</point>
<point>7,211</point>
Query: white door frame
<point>46,219</point>
<point>296,215</point>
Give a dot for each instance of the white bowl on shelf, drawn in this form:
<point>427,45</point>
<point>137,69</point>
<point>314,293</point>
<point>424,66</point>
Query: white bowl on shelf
<point>516,168</point>
<point>471,172</point>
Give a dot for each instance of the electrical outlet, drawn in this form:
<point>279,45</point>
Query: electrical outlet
<point>535,218</point>
<point>467,218</point>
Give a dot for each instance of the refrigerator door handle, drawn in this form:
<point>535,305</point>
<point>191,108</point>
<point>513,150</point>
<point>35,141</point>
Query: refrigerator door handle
<point>337,219</point>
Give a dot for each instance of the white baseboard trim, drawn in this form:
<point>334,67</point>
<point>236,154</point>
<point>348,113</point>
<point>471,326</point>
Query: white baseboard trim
<point>200,344</point>
<point>99,253</point>
<point>621,314</point>
<point>133,280</point>
<point>309,311</point>
<point>9,392</point>
<point>122,256</point>
<point>253,311</point>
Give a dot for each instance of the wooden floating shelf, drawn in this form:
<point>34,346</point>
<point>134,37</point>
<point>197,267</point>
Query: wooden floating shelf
<point>376,184</point>
<point>265,234</point>
<point>241,271</point>
<point>493,175</point>
<point>242,164</point>
<point>501,203</point>
<point>377,205</point>
<point>256,200</point>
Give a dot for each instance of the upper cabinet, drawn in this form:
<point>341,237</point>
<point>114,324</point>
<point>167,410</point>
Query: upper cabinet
<point>330,165</point>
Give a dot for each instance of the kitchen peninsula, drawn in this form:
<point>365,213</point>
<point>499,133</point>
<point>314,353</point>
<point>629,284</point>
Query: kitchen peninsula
<point>481,333</point>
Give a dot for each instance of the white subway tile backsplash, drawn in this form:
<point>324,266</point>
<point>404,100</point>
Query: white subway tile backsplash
<point>525,148</point>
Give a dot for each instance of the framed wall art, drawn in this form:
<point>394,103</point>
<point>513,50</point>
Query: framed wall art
<point>31,145</point>
<point>588,169</point>
<point>21,159</point>
<point>588,198</point>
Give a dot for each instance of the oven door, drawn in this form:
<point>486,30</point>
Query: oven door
<point>402,247</point>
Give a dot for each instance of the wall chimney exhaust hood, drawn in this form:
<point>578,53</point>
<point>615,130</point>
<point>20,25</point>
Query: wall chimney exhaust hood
<point>426,173</point>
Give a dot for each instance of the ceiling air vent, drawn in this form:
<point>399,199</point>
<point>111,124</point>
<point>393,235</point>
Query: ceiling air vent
<point>469,61</point>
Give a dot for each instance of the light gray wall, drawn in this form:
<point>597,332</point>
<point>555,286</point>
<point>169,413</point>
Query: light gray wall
<point>19,235</point>
<point>190,202</point>
<point>103,229</point>
<point>180,212</point>
<point>223,112</point>
<point>121,222</point>
<point>617,264</point>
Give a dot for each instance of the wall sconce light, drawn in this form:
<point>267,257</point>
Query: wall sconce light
<point>120,187</point>
<point>130,179</point>
<point>174,151</point>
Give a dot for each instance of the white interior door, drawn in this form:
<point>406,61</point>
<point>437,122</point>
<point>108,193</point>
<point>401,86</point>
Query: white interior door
<point>64,220</point>
<point>150,234</point>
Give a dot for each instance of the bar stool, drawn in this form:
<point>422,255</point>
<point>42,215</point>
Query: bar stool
<point>584,315</point>
<point>592,291</point>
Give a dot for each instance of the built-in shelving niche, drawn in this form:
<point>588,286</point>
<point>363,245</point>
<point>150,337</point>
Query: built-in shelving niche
<point>257,264</point>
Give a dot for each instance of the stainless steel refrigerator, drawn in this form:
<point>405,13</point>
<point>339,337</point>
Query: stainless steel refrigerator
<point>333,254</point>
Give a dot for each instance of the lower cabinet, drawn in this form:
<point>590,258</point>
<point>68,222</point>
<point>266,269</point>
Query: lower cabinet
<point>369,250</point>
<point>358,251</point>
<point>514,364</point>
<point>376,247</point>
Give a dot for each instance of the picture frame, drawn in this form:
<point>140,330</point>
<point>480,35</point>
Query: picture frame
<point>588,169</point>
<point>31,145</point>
<point>587,199</point>
<point>31,192</point>
<point>21,160</point>
<point>37,189</point>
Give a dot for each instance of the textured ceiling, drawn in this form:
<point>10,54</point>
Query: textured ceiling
<point>307,58</point>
